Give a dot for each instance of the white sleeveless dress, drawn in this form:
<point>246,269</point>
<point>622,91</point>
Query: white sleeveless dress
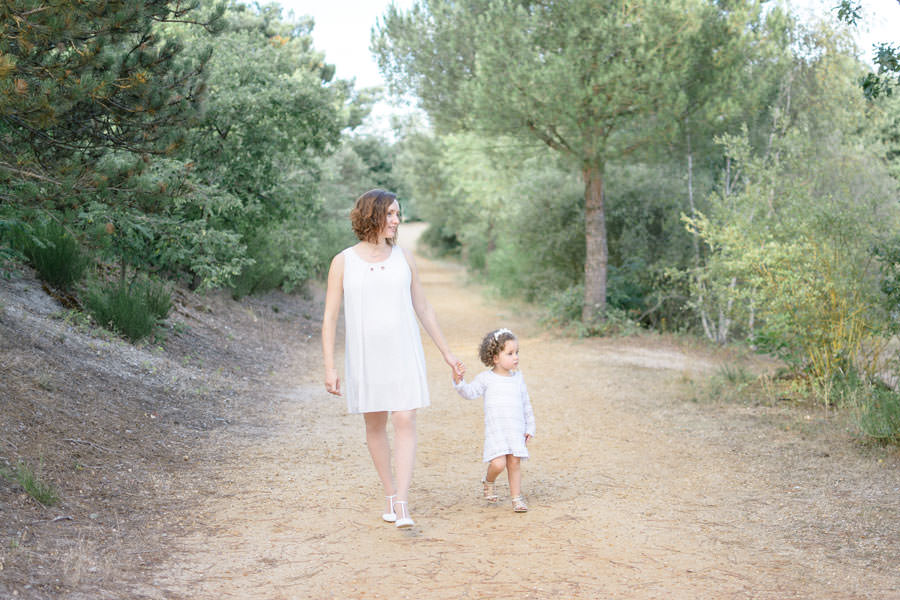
<point>384,361</point>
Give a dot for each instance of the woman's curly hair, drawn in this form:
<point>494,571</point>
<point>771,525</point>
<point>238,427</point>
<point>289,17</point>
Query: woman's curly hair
<point>369,214</point>
<point>493,344</point>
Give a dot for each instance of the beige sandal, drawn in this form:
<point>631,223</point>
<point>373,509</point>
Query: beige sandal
<point>488,488</point>
<point>518,504</point>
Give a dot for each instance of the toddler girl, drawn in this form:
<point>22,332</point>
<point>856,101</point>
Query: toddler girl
<point>508,417</point>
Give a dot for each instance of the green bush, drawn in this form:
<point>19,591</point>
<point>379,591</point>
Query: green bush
<point>9,227</point>
<point>32,483</point>
<point>564,306</point>
<point>158,296</point>
<point>283,257</point>
<point>878,416</point>
<point>132,310</point>
<point>539,237</point>
<point>53,252</point>
<point>440,242</point>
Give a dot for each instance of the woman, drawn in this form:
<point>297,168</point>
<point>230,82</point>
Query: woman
<point>384,361</point>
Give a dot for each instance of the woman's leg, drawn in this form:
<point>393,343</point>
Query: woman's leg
<point>514,472</point>
<point>380,448</point>
<point>404,423</point>
<point>495,467</point>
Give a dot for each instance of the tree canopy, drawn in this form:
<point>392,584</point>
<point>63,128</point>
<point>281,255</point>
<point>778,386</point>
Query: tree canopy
<point>594,81</point>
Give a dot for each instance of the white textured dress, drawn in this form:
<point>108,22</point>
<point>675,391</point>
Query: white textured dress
<point>384,364</point>
<point>508,415</point>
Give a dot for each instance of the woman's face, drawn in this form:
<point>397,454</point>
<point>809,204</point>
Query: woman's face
<point>391,222</point>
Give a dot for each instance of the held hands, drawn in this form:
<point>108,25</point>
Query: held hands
<point>456,366</point>
<point>332,382</point>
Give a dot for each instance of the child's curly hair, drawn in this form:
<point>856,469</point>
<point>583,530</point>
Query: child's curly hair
<point>369,214</point>
<point>492,345</point>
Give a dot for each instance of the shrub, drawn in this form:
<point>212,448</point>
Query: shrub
<point>564,306</point>
<point>9,227</point>
<point>158,297</point>
<point>32,483</point>
<point>54,253</point>
<point>441,243</point>
<point>878,416</point>
<point>132,310</point>
<point>282,257</point>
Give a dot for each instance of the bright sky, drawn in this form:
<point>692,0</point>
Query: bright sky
<point>342,30</point>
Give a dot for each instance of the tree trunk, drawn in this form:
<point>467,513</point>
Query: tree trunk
<point>690,174</point>
<point>597,254</point>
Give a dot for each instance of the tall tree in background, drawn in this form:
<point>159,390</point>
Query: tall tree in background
<point>724,90</point>
<point>273,111</point>
<point>595,81</point>
<point>78,79</point>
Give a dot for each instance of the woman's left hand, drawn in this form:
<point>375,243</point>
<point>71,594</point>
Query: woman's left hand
<point>456,365</point>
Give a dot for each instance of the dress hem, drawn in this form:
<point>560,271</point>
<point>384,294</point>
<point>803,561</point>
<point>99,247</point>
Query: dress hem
<point>362,412</point>
<point>504,454</point>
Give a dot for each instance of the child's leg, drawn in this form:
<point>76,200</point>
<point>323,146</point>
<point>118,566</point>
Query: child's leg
<point>514,472</point>
<point>380,449</point>
<point>495,467</point>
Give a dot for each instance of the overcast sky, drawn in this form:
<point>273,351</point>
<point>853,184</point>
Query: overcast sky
<point>342,31</point>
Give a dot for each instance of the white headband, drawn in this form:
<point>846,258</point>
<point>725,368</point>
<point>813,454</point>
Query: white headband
<point>500,332</point>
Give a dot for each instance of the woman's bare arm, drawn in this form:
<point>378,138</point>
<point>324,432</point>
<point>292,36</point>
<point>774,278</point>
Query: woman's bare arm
<point>333,296</point>
<point>428,318</point>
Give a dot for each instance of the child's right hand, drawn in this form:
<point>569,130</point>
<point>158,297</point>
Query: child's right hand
<point>459,370</point>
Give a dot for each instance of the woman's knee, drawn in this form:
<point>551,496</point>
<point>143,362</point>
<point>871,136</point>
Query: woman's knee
<point>499,463</point>
<point>513,462</point>
<point>376,422</point>
<point>404,420</point>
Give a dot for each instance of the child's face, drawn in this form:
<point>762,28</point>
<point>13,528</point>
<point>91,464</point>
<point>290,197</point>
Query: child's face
<point>508,359</point>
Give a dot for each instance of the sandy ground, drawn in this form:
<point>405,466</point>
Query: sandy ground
<point>635,491</point>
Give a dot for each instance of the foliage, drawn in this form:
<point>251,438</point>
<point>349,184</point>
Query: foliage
<point>132,309</point>
<point>791,254</point>
<point>564,306</point>
<point>79,79</point>
<point>595,82</point>
<point>886,119</point>
<point>158,298</point>
<point>35,486</point>
<point>11,228</point>
<point>359,164</point>
<point>789,229</point>
<point>284,257</point>
<point>176,134</point>
<point>273,115</point>
<point>878,415</point>
<point>537,234</point>
<point>887,253</point>
<point>419,166</point>
<point>886,79</point>
<point>54,253</point>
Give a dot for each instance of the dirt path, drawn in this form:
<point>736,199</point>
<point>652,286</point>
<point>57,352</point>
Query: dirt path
<point>634,491</point>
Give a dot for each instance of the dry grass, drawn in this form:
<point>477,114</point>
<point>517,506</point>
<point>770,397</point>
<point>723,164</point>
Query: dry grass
<point>118,431</point>
<point>205,467</point>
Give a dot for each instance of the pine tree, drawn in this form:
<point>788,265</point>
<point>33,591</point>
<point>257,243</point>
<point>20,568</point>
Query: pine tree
<point>79,79</point>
